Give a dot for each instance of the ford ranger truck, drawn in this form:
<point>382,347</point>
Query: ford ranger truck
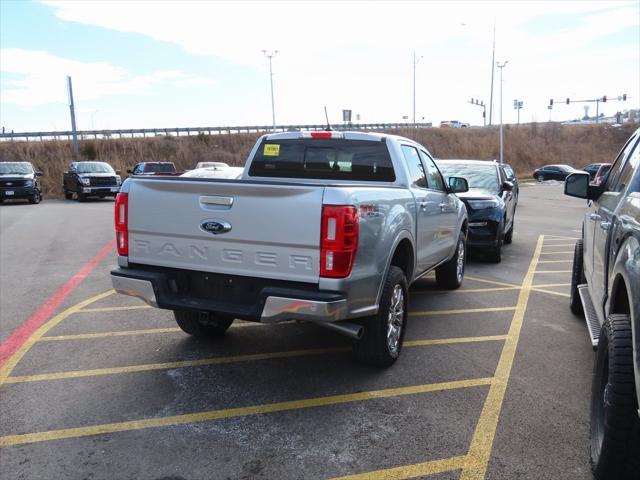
<point>324,227</point>
<point>605,287</point>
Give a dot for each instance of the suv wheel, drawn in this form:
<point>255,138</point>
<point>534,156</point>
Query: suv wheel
<point>449,275</point>
<point>541,178</point>
<point>577,278</point>
<point>36,197</point>
<point>615,426</point>
<point>383,336</point>
<point>202,324</point>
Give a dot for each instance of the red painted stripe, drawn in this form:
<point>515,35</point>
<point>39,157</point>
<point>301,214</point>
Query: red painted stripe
<point>22,334</point>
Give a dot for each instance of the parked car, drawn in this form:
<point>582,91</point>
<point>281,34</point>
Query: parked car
<point>454,124</point>
<point>215,172</point>
<point>325,227</point>
<point>605,287</point>
<point>490,201</point>
<point>553,172</point>
<point>154,168</point>
<point>601,173</point>
<point>19,180</point>
<point>211,165</point>
<point>592,169</point>
<point>90,179</point>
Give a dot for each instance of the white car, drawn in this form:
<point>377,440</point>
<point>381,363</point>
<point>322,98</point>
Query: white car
<point>215,172</point>
<point>218,165</point>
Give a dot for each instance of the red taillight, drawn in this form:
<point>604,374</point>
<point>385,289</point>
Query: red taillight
<point>321,134</point>
<point>122,223</point>
<point>338,241</point>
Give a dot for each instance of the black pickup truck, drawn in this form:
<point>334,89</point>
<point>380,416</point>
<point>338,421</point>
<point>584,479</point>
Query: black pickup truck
<point>605,286</point>
<point>19,180</point>
<point>90,179</point>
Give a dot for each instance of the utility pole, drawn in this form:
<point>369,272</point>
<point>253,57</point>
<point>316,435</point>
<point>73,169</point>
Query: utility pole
<point>415,62</point>
<point>501,67</point>
<point>493,69</point>
<point>72,109</point>
<point>270,55</point>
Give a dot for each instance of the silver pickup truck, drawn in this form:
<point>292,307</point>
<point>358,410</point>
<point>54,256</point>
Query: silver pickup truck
<point>605,287</point>
<point>326,227</point>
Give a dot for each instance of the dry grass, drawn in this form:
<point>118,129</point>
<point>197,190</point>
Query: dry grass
<point>526,147</point>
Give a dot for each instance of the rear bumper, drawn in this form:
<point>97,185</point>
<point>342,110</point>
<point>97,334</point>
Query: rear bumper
<point>272,304</point>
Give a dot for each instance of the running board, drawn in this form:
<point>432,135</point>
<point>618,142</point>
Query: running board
<point>590,315</point>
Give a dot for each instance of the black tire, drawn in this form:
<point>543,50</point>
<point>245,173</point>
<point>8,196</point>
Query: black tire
<point>540,178</point>
<point>615,426</point>
<point>577,278</point>
<point>68,195</point>
<point>202,324</point>
<point>374,347</point>
<point>508,237</point>
<point>35,198</point>
<point>449,275</point>
<point>81,197</point>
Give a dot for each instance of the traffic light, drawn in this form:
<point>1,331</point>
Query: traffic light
<point>624,97</point>
<point>604,99</point>
<point>551,102</point>
<point>568,101</point>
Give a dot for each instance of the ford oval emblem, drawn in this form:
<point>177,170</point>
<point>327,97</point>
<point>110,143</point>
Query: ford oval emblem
<point>215,226</point>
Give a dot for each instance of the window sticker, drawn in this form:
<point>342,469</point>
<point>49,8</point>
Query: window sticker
<point>271,150</point>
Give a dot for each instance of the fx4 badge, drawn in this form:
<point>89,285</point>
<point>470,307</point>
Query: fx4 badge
<point>215,226</point>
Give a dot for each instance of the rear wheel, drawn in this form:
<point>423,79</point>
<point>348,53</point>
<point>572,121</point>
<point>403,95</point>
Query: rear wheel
<point>449,275</point>
<point>541,178</point>
<point>383,335</point>
<point>615,426</point>
<point>577,278</point>
<point>202,324</point>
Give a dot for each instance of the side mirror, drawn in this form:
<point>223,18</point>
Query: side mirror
<point>128,171</point>
<point>117,172</point>
<point>458,185</point>
<point>508,186</point>
<point>577,185</point>
<point>39,174</point>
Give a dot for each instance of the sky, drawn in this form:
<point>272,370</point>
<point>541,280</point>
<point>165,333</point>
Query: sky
<point>144,64</point>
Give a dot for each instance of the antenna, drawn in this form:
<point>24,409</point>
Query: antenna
<point>327,117</point>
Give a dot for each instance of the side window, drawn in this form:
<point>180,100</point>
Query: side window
<point>416,170</point>
<point>626,173</point>
<point>614,179</point>
<point>434,179</point>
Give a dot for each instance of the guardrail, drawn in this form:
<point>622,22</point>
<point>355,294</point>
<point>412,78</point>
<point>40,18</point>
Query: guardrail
<point>188,131</point>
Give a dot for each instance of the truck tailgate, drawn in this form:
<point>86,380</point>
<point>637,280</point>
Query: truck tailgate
<point>275,228</point>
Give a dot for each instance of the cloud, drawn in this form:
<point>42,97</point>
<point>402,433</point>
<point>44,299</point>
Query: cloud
<point>38,78</point>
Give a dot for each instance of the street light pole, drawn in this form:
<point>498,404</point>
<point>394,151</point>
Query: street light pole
<point>270,55</point>
<point>415,62</point>
<point>493,69</point>
<point>501,67</point>
<point>72,111</point>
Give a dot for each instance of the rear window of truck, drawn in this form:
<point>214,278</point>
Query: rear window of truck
<point>323,158</point>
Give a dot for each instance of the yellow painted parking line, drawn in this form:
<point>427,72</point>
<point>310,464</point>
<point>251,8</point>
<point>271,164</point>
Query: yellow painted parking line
<point>121,333</point>
<point>482,442</point>
<point>411,471</point>
<point>492,282</point>
<point>8,367</point>
<point>546,285</point>
<point>230,359</point>
<point>113,309</point>
<point>211,415</point>
<point>555,261</point>
<point>460,311</point>
<point>555,253</point>
<point>553,271</point>
<point>551,292</point>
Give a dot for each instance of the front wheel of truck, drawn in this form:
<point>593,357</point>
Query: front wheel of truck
<point>202,324</point>
<point>383,336</point>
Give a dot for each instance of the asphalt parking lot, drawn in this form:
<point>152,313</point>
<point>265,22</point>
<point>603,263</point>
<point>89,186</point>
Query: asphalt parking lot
<point>494,380</point>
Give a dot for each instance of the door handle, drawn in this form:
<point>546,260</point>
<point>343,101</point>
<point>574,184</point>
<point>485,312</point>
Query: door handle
<point>423,205</point>
<point>594,216</point>
<point>605,225</point>
<point>443,206</point>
